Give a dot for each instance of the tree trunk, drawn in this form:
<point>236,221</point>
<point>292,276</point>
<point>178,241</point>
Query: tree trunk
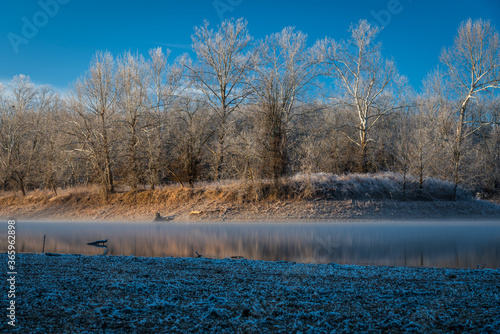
<point>108,176</point>
<point>276,156</point>
<point>421,169</point>
<point>20,182</point>
<point>457,149</point>
<point>220,155</point>
<point>190,165</point>
<point>364,152</point>
<point>279,157</point>
<point>133,176</point>
<point>54,188</point>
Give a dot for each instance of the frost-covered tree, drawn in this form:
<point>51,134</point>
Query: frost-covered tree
<point>51,166</point>
<point>94,100</point>
<point>473,68</point>
<point>19,133</point>
<point>132,81</point>
<point>192,127</point>
<point>30,143</point>
<point>165,83</point>
<point>224,58</point>
<point>286,69</point>
<point>367,84</point>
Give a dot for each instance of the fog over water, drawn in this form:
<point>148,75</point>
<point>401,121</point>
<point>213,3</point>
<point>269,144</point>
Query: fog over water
<point>463,244</point>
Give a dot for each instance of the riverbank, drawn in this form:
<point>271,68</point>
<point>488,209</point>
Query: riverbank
<point>278,211</point>
<point>318,197</point>
<point>128,294</point>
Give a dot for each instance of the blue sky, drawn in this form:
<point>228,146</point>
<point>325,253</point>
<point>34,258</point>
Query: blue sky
<point>66,38</point>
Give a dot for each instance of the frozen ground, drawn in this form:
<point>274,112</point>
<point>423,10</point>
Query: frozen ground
<point>97,294</point>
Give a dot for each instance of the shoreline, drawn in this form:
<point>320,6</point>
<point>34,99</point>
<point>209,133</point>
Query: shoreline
<point>278,211</point>
<point>113,294</point>
<point>321,197</point>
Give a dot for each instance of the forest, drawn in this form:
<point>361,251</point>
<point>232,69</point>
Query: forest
<point>266,109</point>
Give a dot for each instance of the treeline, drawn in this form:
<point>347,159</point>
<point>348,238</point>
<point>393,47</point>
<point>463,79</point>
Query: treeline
<point>258,109</point>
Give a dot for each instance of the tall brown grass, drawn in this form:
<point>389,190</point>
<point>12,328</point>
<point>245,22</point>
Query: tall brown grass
<point>385,186</point>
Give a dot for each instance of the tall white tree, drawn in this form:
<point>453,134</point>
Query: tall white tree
<point>473,67</point>
<point>368,84</point>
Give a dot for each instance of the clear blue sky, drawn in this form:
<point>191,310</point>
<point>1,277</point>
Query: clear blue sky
<point>61,50</point>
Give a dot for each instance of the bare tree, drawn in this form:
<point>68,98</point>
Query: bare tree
<point>132,104</point>
<point>165,84</point>
<point>337,148</point>
<point>402,128</point>
<point>4,134</point>
<point>480,149</point>
<point>241,108</point>
<point>94,103</point>
<point>492,150</point>
<point>287,68</point>
<point>368,84</point>
<point>51,116</point>
<point>29,136</point>
<point>432,130</point>
<point>224,60</point>
<point>19,133</point>
<point>192,127</point>
<point>473,65</point>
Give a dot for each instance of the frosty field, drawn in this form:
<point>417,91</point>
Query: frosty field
<point>96,294</point>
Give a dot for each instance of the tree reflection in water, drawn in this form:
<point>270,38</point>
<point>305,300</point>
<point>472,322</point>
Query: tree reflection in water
<point>429,244</point>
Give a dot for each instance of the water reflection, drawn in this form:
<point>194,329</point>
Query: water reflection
<point>440,244</point>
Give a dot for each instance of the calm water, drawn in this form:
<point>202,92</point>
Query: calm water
<point>430,244</point>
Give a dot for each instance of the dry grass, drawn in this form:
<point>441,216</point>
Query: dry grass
<point>316,196</point>
<point>44,197</point>
<point>386,186</point>
<point>380,186</point>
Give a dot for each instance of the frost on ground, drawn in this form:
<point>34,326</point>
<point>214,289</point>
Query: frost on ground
<point>97,294</point>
